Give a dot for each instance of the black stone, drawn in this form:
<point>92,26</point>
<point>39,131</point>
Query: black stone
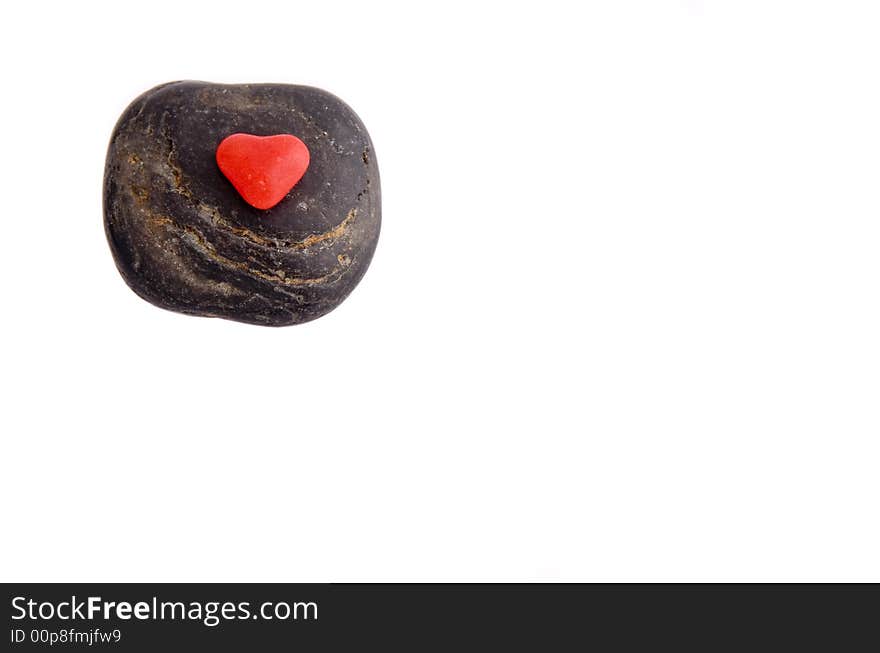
<point>185,240</point>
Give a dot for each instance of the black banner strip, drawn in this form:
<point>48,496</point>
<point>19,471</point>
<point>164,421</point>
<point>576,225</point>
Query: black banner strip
<point>542,617</point>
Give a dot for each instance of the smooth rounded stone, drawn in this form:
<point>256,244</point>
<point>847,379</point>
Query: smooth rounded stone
<point>185,240</point>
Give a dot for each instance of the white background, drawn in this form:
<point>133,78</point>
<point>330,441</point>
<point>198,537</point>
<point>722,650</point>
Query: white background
<point>622,323</point>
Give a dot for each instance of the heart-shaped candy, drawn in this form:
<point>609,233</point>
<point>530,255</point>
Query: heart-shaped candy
<point>263,169</point>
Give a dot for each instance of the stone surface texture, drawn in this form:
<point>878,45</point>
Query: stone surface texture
<point>185,240</point>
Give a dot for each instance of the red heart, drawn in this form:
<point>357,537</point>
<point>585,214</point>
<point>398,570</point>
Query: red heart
<point>263,169</point>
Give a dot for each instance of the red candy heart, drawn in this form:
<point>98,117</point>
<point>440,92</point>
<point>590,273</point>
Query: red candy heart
<point>263,169</point>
